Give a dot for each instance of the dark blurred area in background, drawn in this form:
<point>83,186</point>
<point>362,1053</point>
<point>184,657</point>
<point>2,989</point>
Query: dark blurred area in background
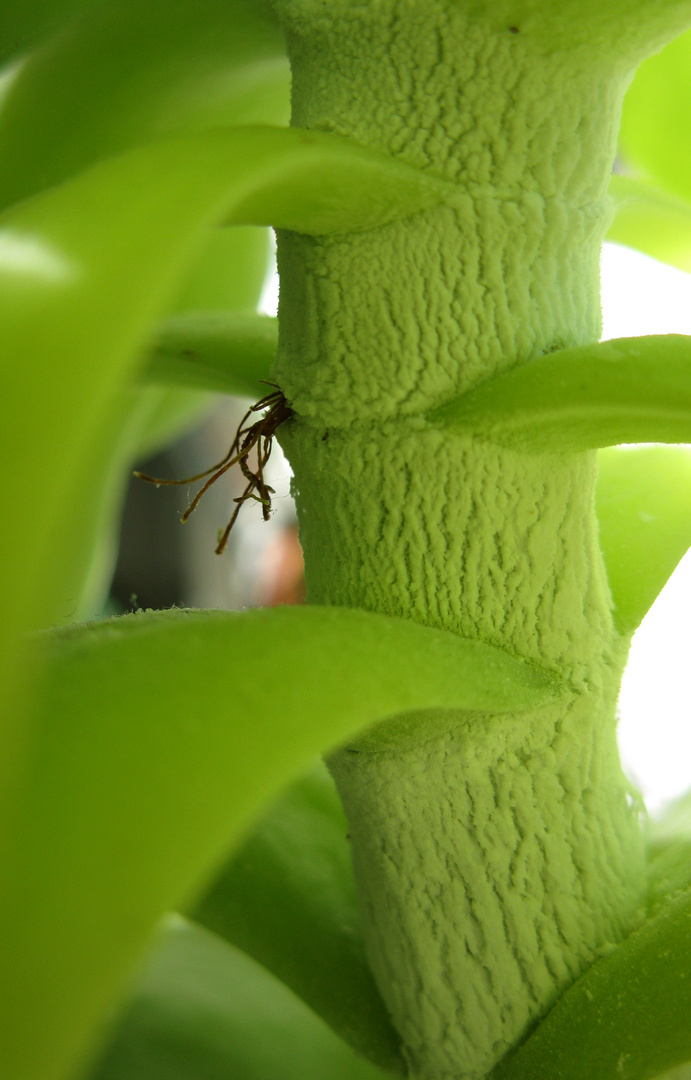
<point>162,563</point>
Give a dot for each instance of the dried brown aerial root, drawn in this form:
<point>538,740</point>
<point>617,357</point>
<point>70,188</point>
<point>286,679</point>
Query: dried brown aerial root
<point>257,436</point>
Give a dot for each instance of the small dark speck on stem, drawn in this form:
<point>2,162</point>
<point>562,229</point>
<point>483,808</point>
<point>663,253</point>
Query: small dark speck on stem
<point>514,30</point>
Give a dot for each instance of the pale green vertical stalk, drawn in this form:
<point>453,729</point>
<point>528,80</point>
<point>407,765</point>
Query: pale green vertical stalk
<point>495,857</point>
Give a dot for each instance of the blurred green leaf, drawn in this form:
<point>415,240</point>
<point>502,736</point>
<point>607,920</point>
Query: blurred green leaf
<point>683,1072</point>
<point>135,71</point>
<point>139,70</point>
<point>627,1018</point>
<point>203,1011</point>
<point>287,898</point>
<point>623,391</point>
<point>651,221</point>
<point>158,738</point>
<point>146,418</point>
<point>643,503</point>
<point>655,134</point>
<point>25,23</point>
<point>214,350</point>
<point>229,274</point>
<point>88,267</point>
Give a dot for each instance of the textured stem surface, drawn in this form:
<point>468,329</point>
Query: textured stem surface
<point>495,857</point>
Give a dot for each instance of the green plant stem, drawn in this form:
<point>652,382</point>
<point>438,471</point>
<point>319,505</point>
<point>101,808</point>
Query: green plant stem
<point>495,860</point>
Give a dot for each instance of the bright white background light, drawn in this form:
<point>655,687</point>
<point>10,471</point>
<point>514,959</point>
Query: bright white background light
<point>641,296</point>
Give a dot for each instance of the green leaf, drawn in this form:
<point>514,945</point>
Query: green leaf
<point>288,899</point>
<point>651,221</point>
<point>683,1072</point>
<point>147,419</point>
<point>229,274</point>
<point>26,22</point>
<point>88,267</point>
<point>214,350</point>
<point>203,1011</point>
<point>138,70</point>
<point>643,503</point>
<point>623,391</point>
<point>627,1018</point>
<point>144,419</point>
<point>158,739</point>
<point>656,119</point>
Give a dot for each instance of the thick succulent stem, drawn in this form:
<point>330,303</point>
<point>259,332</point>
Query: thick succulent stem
<point>495,857</point>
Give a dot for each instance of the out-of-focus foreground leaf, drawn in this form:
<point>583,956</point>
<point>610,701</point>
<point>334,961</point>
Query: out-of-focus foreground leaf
<point>116,73</point>
<point>88,267</point>
<point>108,74</point>
<point>130,71</point>
<point>229,274</point>
<point>158,739</point>
<point>25,23</point>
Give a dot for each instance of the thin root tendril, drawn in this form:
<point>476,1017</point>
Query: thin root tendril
<point>255,436</point>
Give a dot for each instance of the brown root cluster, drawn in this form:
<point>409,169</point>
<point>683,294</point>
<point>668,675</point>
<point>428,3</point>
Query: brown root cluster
<point>257,437</point>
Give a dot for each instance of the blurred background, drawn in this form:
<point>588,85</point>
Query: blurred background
<point>161,564</point>
<point>642,296</point>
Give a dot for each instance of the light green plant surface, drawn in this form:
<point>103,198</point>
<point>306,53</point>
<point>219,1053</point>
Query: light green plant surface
<point>136,753</point>
<point>288,899</point>
<point>108,843</point>
<point>203,1004</point>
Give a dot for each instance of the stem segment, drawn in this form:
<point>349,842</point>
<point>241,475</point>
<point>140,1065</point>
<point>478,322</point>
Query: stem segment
<point>495,858</point>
